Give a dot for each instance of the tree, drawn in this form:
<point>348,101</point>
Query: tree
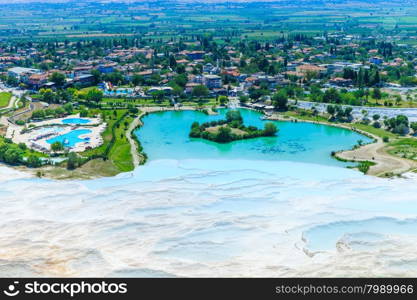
<point>223,100</point>
<point>413,126</point>
<point>158,95</point>
<point>397,99</point>
<point>176,89</point>
<point>97,76</point>
<point>376,94</point>
<point>38,114</point>
<point>331,96</point>
<point>280,100</point>
<point>58,79</point>
<point>270,129</point>
<point>137,79</point>
<point>398,124</point>
<point>181,80</point>
<point>224,135</point>
<point>200,91</point>
<point>94,95</point>
<point>13,156</point>
<point>330,110</point>
<point>69,108</point>
<point>12,81</point>
<point>255,93</point>
<point>172,61</point>
<point>73,161</point>
<point>33,161</point>
<point>244,99</point>
<point>48,95</point>
<point>234,115</point>
<point>195,130</point>
<point>57,146</point>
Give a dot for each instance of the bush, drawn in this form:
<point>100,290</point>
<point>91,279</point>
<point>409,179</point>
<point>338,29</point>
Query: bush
<point>57,146</point>
<point>33,161</point>
<point>225,134</point>
<point>73,161</point>
<point>83,113</point>
<point>364,166</point>
<point>270,129</point>
<point>134,110</point>
<point>22,146</point>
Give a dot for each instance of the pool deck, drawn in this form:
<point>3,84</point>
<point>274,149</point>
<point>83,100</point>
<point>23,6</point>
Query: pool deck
<point>93,121</point>
<point>38,141</point>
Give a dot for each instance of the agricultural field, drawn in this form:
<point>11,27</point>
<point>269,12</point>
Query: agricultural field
<point>170,19</point>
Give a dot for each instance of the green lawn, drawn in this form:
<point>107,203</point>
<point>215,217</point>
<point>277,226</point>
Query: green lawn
<point>119,155</point>
<point>307,116</point>
<point>404,147</point>
<point>375,131</point>
<point>5,99</point>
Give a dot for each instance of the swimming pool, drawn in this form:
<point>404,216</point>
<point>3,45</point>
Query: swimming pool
<point>76,121</point>
<point>71,138</point>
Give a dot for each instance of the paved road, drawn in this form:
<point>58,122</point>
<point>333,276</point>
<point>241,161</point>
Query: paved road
<point>411,113</point>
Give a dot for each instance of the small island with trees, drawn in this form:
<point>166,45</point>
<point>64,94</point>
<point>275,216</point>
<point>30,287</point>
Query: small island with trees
<point>231,129</point>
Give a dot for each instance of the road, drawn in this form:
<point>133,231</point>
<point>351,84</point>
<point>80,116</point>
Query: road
<point>411,113</point>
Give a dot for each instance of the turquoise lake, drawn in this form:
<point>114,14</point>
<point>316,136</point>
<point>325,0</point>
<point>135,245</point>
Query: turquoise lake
<point>266,207</point>
<point>165,136</point>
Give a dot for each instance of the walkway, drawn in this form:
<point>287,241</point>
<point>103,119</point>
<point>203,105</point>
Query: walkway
<point>411,113</point>
<point>375,152</point>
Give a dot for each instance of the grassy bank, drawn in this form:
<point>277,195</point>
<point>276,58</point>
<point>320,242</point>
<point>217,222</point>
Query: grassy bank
<point>115,149</point>
<point>404,148</point>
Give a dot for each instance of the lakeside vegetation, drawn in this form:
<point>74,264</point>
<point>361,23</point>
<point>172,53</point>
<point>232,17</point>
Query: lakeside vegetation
<point>112,61</point>
<point>231,129</point>
<point>19,154</point>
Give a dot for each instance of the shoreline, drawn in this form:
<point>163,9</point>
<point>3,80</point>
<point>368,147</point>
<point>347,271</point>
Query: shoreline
<point>137,157</point>
<point>386,165</point>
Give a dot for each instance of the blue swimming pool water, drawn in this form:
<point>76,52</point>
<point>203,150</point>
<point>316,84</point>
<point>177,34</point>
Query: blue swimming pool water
<point>119,92</point>
<point>76,121</point>
<point>72,138</point>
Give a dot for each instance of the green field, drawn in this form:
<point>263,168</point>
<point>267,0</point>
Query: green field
<point>404,147</point>
<point>5,99</point>
<point>167,20</point>
<point>119,154</point>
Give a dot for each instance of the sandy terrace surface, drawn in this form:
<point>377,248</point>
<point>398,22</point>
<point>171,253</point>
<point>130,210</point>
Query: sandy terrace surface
<point>385,162</point>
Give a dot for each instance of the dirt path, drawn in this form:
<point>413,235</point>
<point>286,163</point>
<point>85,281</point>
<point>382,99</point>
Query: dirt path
<point>375,152</point>
<point>133,146</point>
<point>385,163</point>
